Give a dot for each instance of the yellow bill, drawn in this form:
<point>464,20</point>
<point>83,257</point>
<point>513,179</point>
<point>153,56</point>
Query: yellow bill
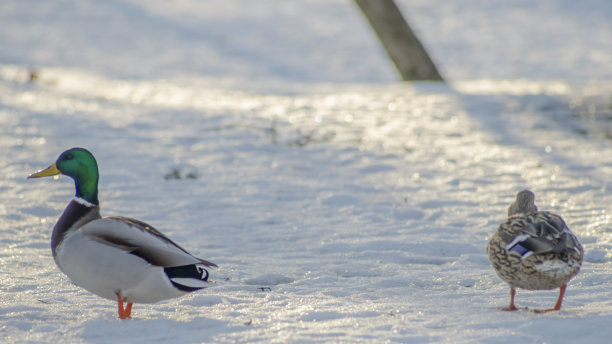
<point>47,172</point>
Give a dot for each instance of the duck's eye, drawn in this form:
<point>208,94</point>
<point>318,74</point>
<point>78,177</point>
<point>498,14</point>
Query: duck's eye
<point>68,157</point>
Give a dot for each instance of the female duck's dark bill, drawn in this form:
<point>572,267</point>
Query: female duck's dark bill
<point>47,172</point>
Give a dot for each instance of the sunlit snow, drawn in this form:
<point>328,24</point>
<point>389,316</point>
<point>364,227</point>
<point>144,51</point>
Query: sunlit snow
<point>339,204</point>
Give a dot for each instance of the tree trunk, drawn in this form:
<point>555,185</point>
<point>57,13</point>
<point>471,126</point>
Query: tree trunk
<point>402,46</point>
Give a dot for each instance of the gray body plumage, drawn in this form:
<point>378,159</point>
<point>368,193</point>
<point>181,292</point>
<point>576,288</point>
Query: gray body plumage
<point>120,255</point>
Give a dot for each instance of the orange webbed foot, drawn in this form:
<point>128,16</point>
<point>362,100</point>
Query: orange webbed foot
<point>557,305</point>
<point>124,313</point>
<point>511,307</point>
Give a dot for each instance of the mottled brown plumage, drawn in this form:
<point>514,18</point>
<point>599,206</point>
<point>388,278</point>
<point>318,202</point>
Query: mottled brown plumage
<point>534,250</point>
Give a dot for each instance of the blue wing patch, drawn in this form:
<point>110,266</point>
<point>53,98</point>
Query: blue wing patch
<point>520,249</point>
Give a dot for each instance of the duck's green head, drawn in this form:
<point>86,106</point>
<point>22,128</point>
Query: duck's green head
<point>80,165</point>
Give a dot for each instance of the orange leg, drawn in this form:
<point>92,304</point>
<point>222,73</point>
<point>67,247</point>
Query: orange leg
<point>558,304</point>
<point>512,307</point>
<point>124,313</point>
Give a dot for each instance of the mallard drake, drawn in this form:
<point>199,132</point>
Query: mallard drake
<point>534,250</point>
<point>116,257</point>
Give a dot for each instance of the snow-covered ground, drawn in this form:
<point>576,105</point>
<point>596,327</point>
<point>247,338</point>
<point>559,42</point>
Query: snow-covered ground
<point>273,138</point>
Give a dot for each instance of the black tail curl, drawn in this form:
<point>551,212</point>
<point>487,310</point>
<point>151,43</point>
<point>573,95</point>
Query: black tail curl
<point>195,271</point>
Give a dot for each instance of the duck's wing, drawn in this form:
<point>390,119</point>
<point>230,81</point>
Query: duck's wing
<point>140,239</point>
<point>540,233</point>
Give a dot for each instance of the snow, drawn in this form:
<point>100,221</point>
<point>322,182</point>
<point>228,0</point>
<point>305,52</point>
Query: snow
<point>273,139</point>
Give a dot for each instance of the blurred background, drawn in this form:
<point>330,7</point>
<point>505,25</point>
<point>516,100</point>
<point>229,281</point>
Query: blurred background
<point>242,43</point>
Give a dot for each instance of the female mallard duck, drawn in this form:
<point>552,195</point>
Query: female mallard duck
<point>116,257</point>
<point>534,250</point>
